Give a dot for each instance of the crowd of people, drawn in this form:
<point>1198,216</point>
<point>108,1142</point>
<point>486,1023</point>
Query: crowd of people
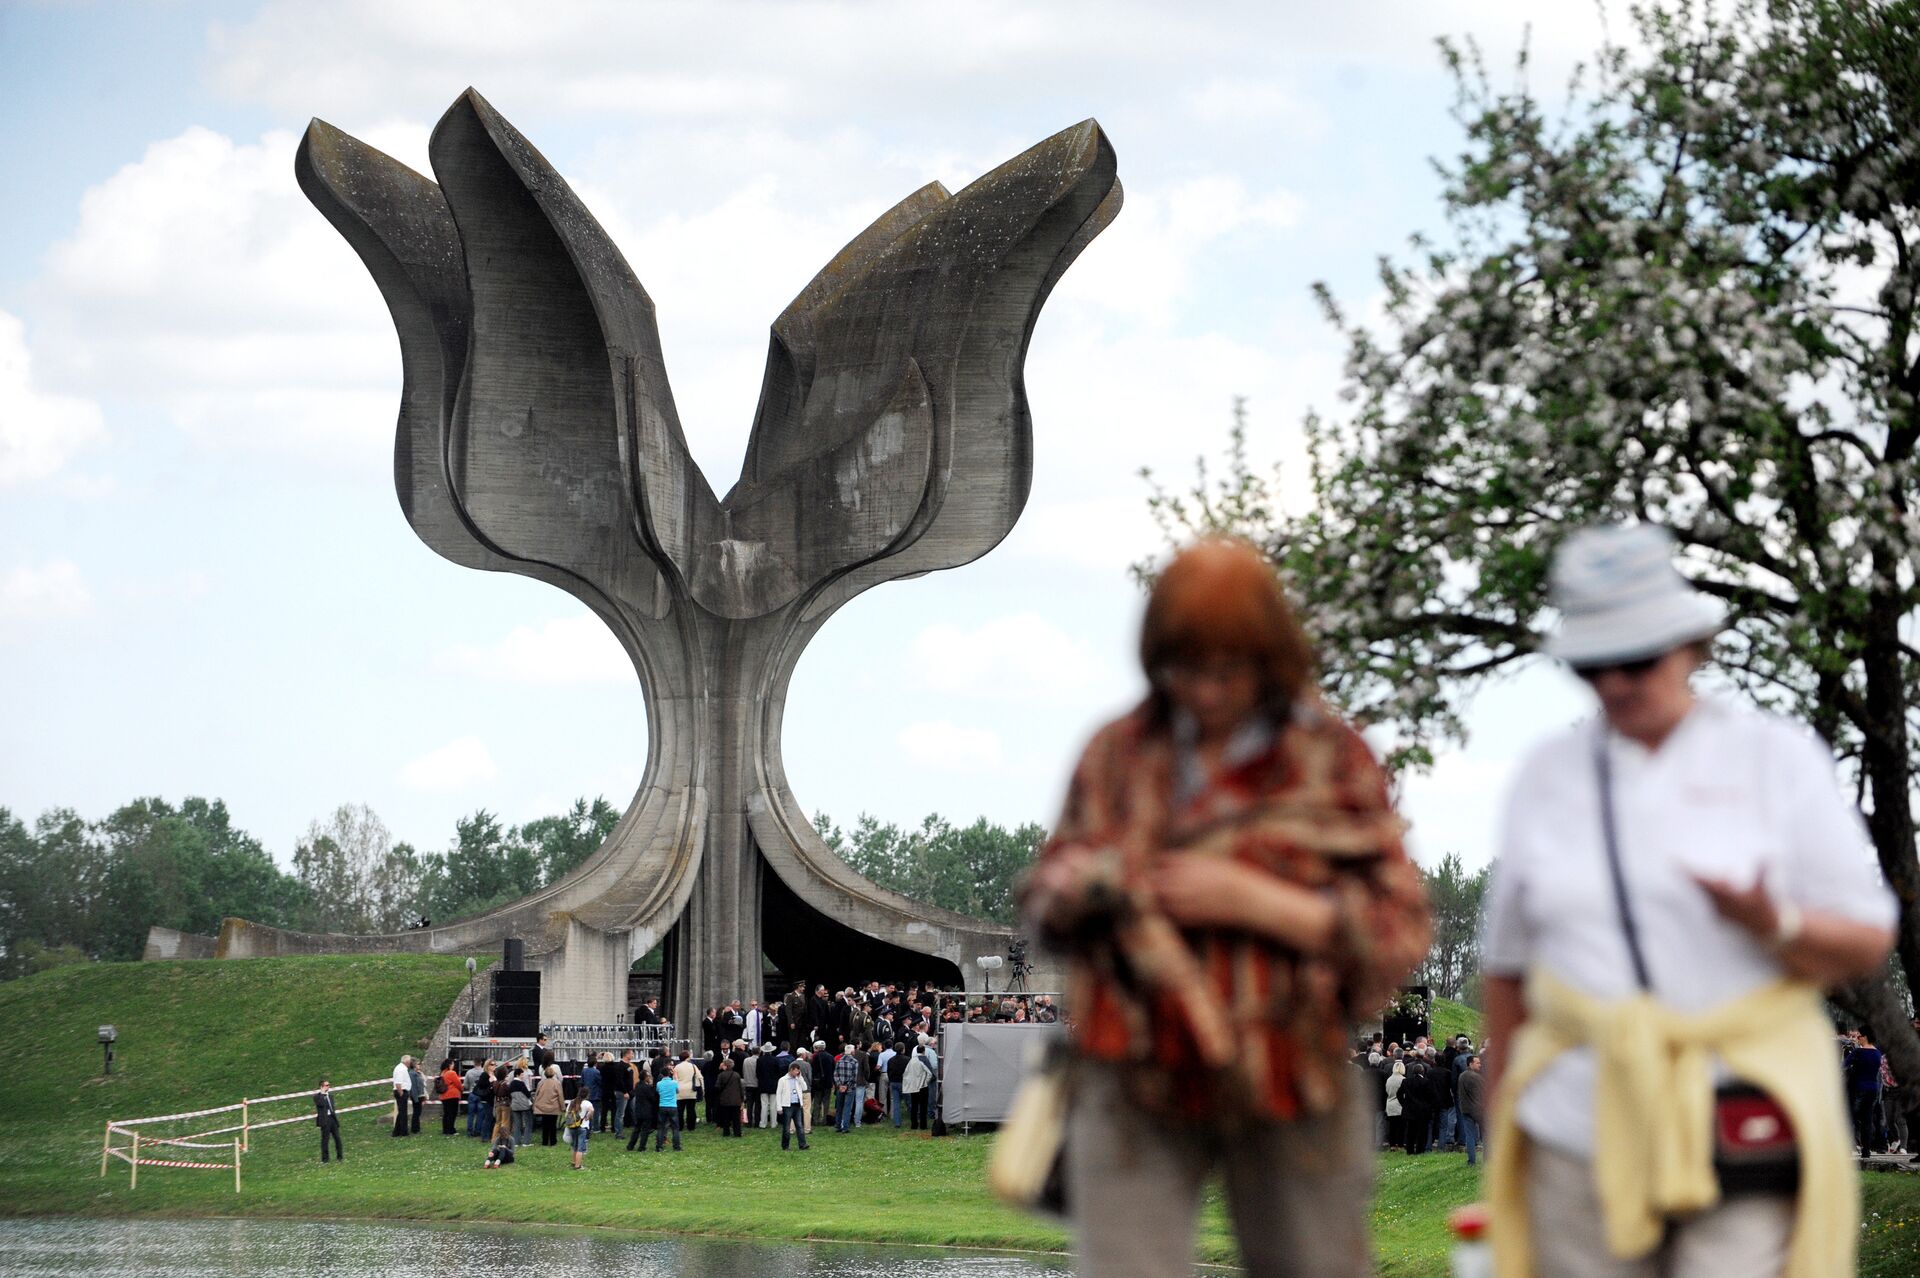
<point>1424,1099</point>
<point>847,1058</point>
<point>873,1013</point>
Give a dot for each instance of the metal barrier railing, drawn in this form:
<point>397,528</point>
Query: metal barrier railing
<point>569,1042</point>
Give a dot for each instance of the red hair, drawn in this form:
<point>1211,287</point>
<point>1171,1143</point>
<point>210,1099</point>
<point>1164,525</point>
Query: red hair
<point>1221,596</point>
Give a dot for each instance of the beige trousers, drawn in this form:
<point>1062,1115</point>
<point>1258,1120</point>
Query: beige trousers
<point>1741,1238</point>
<point>1298,1192</point>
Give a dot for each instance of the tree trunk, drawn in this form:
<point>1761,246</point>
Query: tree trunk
<point>1887,763</point>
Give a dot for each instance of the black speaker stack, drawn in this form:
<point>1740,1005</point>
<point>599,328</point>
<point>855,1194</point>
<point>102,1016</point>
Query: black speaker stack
<point>516,996</point>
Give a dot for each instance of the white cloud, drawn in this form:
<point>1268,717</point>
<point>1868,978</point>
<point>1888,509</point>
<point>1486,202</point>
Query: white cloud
<point>1258,101</point>
<point>1108,533</point>
<point>177,587</point>
<point>566,651</point>
<point>950,747</point>
<point>199,280</point>
<point>454,766</point>
<point>39,432</point>
<point>53,591</point>
<point>821,60</point>
<point>1022,655</point>
<point>1143,265</point>
<point>806,59</point>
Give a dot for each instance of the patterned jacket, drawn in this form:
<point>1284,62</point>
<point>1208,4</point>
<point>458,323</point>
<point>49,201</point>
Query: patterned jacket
<point>1262,1027</point>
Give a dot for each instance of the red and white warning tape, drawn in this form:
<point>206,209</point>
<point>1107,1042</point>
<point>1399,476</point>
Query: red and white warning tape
<point>170,1162</point>
<point>308,1118</point>
<point>182,1143</point>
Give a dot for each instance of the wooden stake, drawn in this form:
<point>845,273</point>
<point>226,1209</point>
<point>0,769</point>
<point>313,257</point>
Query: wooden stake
<point>246,1135</point>
<point>106,1147</point>
<point>134,1179</point>
<point>236,1166</point>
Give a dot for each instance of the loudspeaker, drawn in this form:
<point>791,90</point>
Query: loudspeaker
<point>515,1007</point>
<point>514,957</point>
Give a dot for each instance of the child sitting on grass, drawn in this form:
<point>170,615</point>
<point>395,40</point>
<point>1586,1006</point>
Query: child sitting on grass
<point>502,1152</point>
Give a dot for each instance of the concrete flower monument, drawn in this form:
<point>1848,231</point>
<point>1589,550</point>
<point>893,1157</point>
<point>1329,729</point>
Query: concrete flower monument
<point>537,435</point>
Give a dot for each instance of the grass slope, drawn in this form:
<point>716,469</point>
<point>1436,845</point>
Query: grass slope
<point>202,1033</point>
<point>1448,1018</point>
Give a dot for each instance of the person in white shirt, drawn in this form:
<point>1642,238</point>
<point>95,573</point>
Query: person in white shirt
<point>756,1021</point>
<point>402,1095</point>
<point>933,1066</point>
<point>880,1083</point>
<point>1680,855</point>
<point>790,1098</point>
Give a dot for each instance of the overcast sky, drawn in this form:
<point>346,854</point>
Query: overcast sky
<point>206,585</point>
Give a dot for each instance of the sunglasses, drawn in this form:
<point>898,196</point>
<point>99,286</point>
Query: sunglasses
<point>1632,669</point>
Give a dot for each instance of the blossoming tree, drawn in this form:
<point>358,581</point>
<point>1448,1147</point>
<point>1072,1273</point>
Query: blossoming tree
<point>1688,298</point>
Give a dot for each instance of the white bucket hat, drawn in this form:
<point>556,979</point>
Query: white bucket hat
<point>1621,598</point>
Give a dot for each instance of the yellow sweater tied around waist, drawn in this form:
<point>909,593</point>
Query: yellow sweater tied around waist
<point>1653,1116</point>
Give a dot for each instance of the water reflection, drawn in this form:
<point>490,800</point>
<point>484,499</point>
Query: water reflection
<point>311,1249</point>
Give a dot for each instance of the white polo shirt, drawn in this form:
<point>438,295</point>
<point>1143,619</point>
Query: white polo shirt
<point>1731,793</point>
<point>402,1077</point>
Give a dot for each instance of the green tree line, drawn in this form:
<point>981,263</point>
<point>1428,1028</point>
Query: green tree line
<point>972,869</point>
<point>73,890</point>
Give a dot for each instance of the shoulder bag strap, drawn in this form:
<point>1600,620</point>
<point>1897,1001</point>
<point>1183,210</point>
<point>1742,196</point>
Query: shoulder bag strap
<point>1603,768</point>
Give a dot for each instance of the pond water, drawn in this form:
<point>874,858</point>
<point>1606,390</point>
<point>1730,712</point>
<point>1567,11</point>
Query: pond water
<point>70,1247</point>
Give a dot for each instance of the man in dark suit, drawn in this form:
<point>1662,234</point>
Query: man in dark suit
<point>650,1012</point>
<point>819,1018</point>
<point>794,1008</point>
<point>327,1118</point>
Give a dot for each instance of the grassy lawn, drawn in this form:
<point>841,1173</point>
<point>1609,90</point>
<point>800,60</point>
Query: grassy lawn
<point>1449,1018</point>
<point>201,1033</point>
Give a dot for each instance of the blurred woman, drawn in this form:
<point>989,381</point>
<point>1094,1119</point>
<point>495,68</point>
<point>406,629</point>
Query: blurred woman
<point>1228,881</point>
<point>578,1121</point>
<point>449,1096</point>
<point>520,1102</point>
<point>480,1104</point>
<point>502,1101</point>
<point>549,1098</point>
<point>1678,878</point>
<point>1396,1108</point>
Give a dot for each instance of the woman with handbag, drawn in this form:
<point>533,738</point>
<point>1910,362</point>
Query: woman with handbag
<point>549,1099</point>
<point>1677,881</point>
<point>1229,885</point>
<point>1396,1109</point>
<point>480,1102</point>
<point>447,1089</point>
<point>578,1122</point>
<point>502,1102</point>
<point>520,1103</point>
